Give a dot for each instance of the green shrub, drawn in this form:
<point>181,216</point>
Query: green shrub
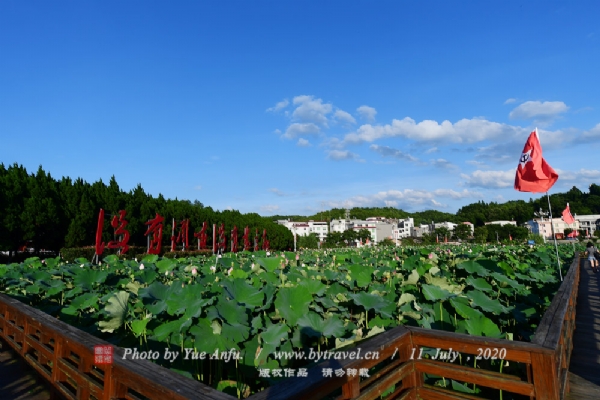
<point>189,253</point>
<point>88,252</point>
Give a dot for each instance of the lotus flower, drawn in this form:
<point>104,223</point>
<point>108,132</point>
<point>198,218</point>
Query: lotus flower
<point>430,256</point>
<point>213,268</point>
<point>194,271</point>
<point>230,271</point>
<point>81,266</point>
<point>141,266</point>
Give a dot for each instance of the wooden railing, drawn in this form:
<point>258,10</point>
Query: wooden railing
<point>546,361</point>
<point>65,356</point>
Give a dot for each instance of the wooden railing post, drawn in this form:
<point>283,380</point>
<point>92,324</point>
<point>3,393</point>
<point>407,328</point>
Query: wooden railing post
<point>351,389</point>
<point>545,379</point>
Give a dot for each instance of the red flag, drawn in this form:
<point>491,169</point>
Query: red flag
<point>567,217</point>
<point>533,172</point>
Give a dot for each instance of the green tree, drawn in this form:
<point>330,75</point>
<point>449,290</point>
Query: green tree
<point>308,242</point>
<point>364,234</point>
<point>480,234</point>
<point>387,242</point>
<point>349,236</point>
<point>333,239</point>
<point>443,232</point>
<point>41,214</point>
<point>462,231</point>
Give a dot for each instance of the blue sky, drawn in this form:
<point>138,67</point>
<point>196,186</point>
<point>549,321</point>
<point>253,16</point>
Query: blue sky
<point>291,107</point>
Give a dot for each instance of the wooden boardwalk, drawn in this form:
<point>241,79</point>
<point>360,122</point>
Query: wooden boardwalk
<point>584,370</point>
<point>18,381</point>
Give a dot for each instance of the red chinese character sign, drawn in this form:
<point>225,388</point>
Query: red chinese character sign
<point>155,227</point>
<point>99,242</point>
<point>246,238</point>
<point>265,242</point>
<point>202,236</point>
<point>234,239</point>
<point>182,236</point>
<point>222,239</point>
<point>119,225</point>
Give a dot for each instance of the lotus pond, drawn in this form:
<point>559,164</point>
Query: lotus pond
<point>258,304</point>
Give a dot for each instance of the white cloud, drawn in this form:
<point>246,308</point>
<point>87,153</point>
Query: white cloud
<point>591,135</point>
<point>344,117</point>
<point>443,164</point>
<point>386,151</point>
<point>579,176</point>
<point>367,113</point>
<point>269,208</point>
<point>279,106</point>
<point>463,131</point>
<point>431,150</point>
<point>298,129</point>
<point>490,179</point>
<point>509,101</point>
<point>198,187</point>
<point>303,143</point>
<point>406,199</point>
<point>437,203</point>
<point>277,192</point>
<point>479,164</point>
<point>537,110</point>
<point>340,155</point>
<point>311,110</point>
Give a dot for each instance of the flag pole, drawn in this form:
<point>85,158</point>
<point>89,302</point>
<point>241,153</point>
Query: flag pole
<point>553,235</point>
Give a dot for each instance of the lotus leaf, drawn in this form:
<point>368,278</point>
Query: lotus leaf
<point>165,330</point>
<point>85,301</point>
<point>187,300</point>
<point>86,278</point>
<point>482,301</point>
<point>138,326</point>
<point>116,310</point>
<point>275,334</point>
<point>150,259</point>
<point>270,264</point>
<point>473,267</point>
<point>369,301</point>
<point>482,326</point>
<point>206,340</point>
<point>292,303</point>
<point>313,325</point>
<point>479,284</point>
<point>464,309</point>
<point>360,274</point>
<point>412,279</point>
<point>243,293</point>
<point>315,287</point>
<point>435,293</point>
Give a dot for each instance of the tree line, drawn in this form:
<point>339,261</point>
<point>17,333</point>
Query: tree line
<point>42,212</point>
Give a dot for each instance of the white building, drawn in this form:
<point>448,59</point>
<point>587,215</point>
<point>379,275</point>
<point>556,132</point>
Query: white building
<point>587,222</point>
<point>541,226</point>
<point>321,228</point>
<point>404,227</point>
